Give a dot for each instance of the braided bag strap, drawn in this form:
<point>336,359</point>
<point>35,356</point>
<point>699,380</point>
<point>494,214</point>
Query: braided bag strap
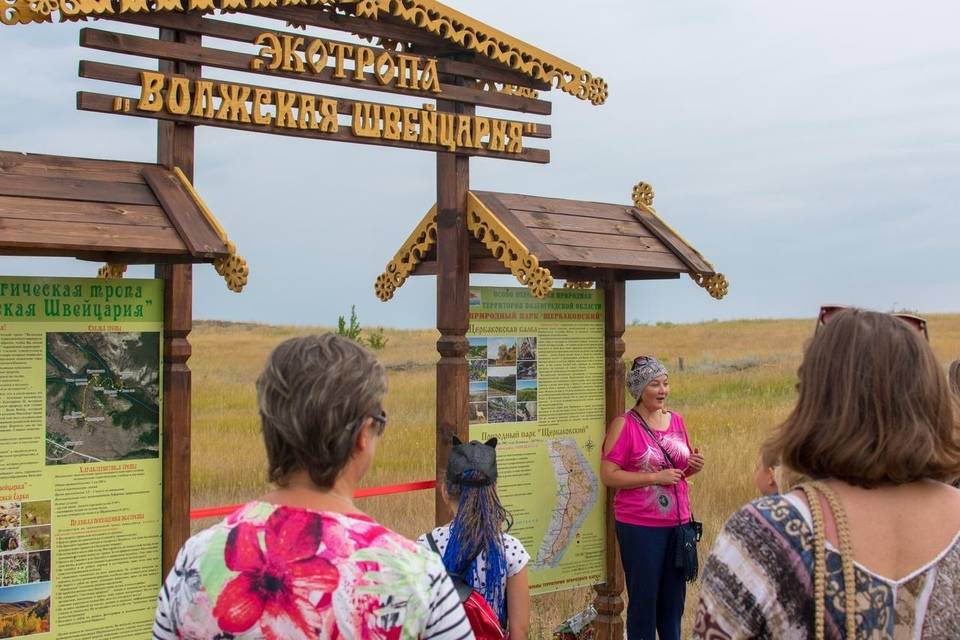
<point>810,489</point>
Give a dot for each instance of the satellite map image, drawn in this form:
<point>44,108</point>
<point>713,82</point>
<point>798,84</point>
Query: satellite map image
<point>103,396</point>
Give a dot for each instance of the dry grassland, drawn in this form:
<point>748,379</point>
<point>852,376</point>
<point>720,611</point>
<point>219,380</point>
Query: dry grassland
<point>738,381</point>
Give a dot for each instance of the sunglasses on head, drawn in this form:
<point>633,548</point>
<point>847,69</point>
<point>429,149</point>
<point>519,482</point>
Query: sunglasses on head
<point>639,361</point>
<point>827,311</point>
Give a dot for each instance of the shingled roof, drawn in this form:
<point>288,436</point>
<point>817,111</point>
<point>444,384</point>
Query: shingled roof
<point>538,239</point>
<point>116,212</point>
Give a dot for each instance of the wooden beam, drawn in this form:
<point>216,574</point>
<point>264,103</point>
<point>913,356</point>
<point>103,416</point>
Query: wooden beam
<point>248,33</point>
<point>453,304</point>
<point>237,61</point>
<point>131,76</point>
<point>76,189</point>
<point>694,262</point>
<point>391,31</point>
<point>175,148</point>
<point>609,601</point>
<point>101,103</point>
<point>184,213</point>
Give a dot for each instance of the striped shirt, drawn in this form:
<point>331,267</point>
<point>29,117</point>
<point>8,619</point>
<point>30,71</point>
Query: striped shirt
<point>271,572</point>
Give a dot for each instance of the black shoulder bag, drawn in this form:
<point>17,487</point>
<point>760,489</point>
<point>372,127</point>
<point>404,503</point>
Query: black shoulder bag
<point>689,533</point>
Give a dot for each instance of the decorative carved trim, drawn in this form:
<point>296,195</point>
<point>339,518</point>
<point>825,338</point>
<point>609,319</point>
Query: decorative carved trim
<point>577,284</point>
<point>413,251</point>
<point>507,89</point>
<point>112,271</point>
<point>232,268</point>
<point>464,31</point>
<point>506,248</point>
<point>427,15</point>
<point>714,283</point>
<point>29,11</point>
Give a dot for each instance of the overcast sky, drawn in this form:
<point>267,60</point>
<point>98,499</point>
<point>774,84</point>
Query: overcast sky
<point>811,152</point>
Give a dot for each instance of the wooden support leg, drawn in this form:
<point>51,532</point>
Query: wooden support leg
<point>609,600</point>
<point>453,310</point>
<point>175,147</point>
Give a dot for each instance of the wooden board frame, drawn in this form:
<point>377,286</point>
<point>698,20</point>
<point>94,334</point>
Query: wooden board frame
<point>181,53</point>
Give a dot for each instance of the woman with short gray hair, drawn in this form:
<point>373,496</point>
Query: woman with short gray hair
<point>303,562</point>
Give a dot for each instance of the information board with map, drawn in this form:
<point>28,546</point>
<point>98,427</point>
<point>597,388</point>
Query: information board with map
<point>80,474</point>
<point>537,384</point>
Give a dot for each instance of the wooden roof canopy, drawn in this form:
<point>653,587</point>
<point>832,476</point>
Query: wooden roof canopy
<point>397,23</point>
<point>539,239</point>
<point>116,212</point>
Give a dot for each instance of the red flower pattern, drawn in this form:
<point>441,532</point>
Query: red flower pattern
<point>274,586</point>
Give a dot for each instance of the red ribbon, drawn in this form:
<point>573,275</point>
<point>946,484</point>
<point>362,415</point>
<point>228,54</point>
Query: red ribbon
<point>369,492</point>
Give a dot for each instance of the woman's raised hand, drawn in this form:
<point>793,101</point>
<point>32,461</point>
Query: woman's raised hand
<point>669,476</point>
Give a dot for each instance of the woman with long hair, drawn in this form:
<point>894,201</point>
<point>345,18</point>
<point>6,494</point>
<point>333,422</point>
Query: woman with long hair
<point>870,547</point>
<point>647,458</point>
<point>475,546</point>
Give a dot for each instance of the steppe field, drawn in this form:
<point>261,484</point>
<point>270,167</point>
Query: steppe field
<point>738,381</point>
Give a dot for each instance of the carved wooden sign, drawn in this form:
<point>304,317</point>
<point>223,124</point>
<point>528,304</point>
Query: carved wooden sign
<point>248,107</point>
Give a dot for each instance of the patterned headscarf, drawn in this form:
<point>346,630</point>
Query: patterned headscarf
<point>645,369</point>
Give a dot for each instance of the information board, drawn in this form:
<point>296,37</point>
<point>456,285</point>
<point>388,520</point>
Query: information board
<point>537,384</point>
<point>80,447</point>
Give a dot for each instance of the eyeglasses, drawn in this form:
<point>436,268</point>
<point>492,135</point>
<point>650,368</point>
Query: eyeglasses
<point>381,421</point>
<point>827,311</point>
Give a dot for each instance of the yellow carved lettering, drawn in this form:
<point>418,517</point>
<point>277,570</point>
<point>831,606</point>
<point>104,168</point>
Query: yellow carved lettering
<point>516,138</point>
<point>261,97</point>
<point>430,78</point>
<point>307,116</point>
<point>445,131</point>
<point>291,57</point>
<point>480,131</point>
<point>364,58</point>
<point>203,99</point>
<point>366,120</point>
<point>270,51</point>
<point>408,71</point>
<point>285,110</point>
<point>385,68</point>
<point>391,123</point>
<point>410,118</point>
<point>464,131</point>
<point>340,53</point>
<point>498,135</point>
<point>428,125</point>
<point>316,54</point>
<point>151,84</point>
<point>233,103</point>
<point>178,96</point>
<point>329,122</point>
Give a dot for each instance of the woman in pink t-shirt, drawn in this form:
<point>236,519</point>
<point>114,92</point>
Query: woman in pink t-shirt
<point>652,500</point>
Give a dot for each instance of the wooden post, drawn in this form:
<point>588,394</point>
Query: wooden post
<point>453,298</point>
<point>175,147</point>
<point>609,601</point>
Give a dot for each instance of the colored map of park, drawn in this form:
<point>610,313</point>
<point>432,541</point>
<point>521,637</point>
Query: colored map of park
<point>577,490</point>
<point>103,392</point>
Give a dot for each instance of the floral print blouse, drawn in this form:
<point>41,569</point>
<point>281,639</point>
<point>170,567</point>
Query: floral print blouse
<point>283,573</point>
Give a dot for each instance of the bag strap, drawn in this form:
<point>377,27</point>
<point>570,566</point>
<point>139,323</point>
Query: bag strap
<point>810,489</point>
<point>676,493</point>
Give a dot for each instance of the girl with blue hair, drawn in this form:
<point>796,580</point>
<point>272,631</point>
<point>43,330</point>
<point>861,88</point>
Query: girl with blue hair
<point>475,545</point>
